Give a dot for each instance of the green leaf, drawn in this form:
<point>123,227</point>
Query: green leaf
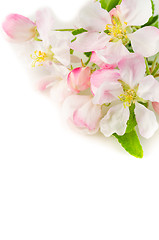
<point>146,104</point>
<point>78,31</point>
<point>71,51</point>
<point>109,4</point>
<point>152,21</point>
<point>88,54</point>
<point>130,142</point>
<point>131,123</point>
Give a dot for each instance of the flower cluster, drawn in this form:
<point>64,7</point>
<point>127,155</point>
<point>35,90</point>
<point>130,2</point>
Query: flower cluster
<point>103,71</point>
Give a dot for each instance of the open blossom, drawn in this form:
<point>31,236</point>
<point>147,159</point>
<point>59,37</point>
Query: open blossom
<point>56,82</point>
<point>124,87</point>
<point>81,112</point>
<point>57,51</point>
<point>109,33</point>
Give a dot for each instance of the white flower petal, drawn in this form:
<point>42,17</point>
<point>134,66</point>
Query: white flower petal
<point>103,75</point>
<point>90,41</point>
<point>72,103</point>
<point>115,120</point>
<point>107,92</point>
<point>132,69</point>
<point>94,18</point>
<point>87,116</point>
<point>145,41</point>
<point>45,23</point>
<point>136,12</point>
<point>146,121</point>
<point>60,43</point>
<point>60,91</point>
<point>113,52</point>
<point>80,111</point>
<point>149,89</point>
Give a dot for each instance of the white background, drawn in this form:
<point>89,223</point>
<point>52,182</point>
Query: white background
<point>56,184</point>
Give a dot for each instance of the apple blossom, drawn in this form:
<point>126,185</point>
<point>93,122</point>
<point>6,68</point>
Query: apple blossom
<point>91,69</point>
<point>56,52</point>
<point>56,82</point>
<point>109,33</point>
<point>126,86</point>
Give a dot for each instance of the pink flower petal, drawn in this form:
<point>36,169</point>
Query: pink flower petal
<point>146,121</point>
<point>156,107</point>
<point>87,116</point>
<point>19,28</point>
<point>95,59</point>
<point>79,79</point>
<point>103,75</point>
<point>145,41</point>
<point>81,112</point>
<point>136,12</point>
<point>132,69</point>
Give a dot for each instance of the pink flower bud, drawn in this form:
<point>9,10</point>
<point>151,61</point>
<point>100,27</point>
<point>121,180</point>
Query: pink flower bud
<point>19,28</point>
<point>79,79</point>
<point>156,106</point>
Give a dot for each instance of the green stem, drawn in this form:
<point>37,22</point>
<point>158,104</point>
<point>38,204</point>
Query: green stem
<point>147,67</point>
<point>37,39</point>
<point>155,70</point>
<point>157,75</point>
<point>64,30</point>
<point>154,63</point>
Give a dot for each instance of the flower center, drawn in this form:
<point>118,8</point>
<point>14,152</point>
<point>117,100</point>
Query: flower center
<point>128,97</point>
<point>117,31</point>
<point>40,57</point>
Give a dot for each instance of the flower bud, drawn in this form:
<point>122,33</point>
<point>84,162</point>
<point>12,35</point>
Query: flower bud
<point>19,28</point>
<point>79,79</point>
<point>156,106</point>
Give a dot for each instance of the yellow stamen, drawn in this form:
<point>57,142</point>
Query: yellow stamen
<point>39,57</point>
<point>128,97</point>
<point>117,31</point>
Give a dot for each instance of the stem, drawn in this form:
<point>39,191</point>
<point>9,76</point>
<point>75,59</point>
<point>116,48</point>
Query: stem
<point>157,75</point>
<point>64,30</point>
<point>147,67</point>
<point>155,70</point>
<point>154,63</point>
